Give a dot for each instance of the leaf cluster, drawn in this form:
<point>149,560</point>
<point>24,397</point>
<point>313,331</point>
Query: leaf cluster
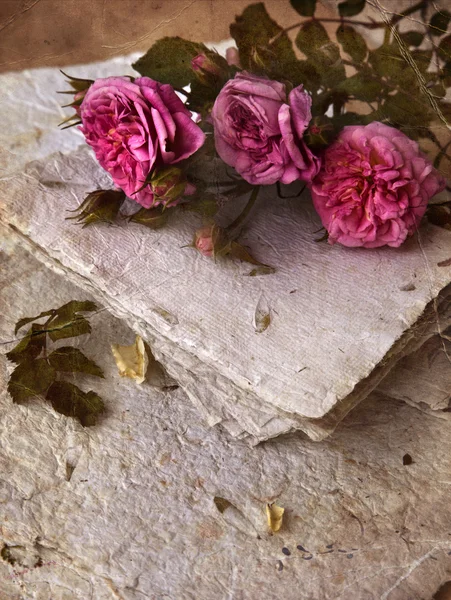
<point>38,372</point>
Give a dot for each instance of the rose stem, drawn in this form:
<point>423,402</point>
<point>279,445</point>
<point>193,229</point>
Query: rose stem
<point>247,209</point>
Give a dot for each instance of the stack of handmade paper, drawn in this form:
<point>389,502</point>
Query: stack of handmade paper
<point>263,354</point>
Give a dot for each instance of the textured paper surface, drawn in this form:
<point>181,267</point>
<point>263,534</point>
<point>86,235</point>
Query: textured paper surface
<point>336,313</point>
<point>126,510</point>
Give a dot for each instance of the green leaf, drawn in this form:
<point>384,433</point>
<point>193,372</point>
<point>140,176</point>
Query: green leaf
<point>30,346</point>
<point>64,327</point>
<point>169,61</point>
<point>71,359</point>
<point>263,46</point>
<point>405,110</point>
<point>422,59</point>
<point>362,87</point>
<point>306,8</point>
<point>387,61</point>
<point>446,74</point>
<point>352,42</point>
<point>444,49</point>
<point>412,38</point>
<point>26,320</point>
<point>313,41</point>
<point>154,218</point>
<point>262,270</point>
<point>30,378</point>
<point>238,251</point>
<point>70,400</point>
<point>68,323</point>
<point>439,22</point>
<point>351,8</point>
<point>75,306</point>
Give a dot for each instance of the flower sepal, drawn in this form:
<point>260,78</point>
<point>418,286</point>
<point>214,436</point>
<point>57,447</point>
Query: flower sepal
<point>100,206</point>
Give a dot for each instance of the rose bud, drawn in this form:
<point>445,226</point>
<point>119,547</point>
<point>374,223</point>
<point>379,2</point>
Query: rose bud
<point>203,240</point>
<point>201,62</point>
<point>170,185</point>
<point>233,57</point>
<point>210,68</point>
<point>211,240</point>
<point>374,187</point>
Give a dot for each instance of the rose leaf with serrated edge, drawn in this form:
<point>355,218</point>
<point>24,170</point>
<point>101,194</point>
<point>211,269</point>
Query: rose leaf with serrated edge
<point>71,359</point>
<point>69,400</point>
<point>30,378</point>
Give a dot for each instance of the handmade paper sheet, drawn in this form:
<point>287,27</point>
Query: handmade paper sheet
<point>332,334</point>
<point>127,509</point>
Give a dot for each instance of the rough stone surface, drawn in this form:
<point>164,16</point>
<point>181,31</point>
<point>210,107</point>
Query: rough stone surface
<point>126,509</point>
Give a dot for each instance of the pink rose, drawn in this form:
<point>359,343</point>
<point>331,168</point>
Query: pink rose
<point>259,132</point>
<point>135,128</point>
<point>374,187</point>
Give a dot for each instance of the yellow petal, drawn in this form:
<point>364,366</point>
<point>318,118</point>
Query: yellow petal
<point>274,515</point>
<point>131,360</point>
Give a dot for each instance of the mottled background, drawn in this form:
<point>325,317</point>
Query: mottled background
<point>36,33</point>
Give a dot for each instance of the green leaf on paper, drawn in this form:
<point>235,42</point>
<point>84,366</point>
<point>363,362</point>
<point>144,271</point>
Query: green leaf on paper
<point>29,346</point>
<point>71,359</point>
<point>68,322</point>
<point>439,22</point>
<point>65,327</point>
<point>169,61</point>
<point>30,378</point>
<point>261,270</point>
<point>350,8</point>
<point>70,400</point>
<point>76,306</point>
<point>238,251</point>
<point>306,8</point>
<point>36,372</point>
<point>352,42</point>
<point>154,218</point>
<point>27,320</point>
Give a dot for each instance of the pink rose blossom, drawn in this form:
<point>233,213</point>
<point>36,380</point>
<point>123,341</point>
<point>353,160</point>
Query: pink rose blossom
<point>374,187</point>
<point>258,131</point>
<point>136,127</point>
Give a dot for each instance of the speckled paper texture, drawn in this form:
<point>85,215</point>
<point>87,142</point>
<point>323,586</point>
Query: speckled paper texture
<point>126,510</point>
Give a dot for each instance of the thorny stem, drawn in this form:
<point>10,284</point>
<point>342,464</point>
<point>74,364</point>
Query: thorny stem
<point>247,209</point>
